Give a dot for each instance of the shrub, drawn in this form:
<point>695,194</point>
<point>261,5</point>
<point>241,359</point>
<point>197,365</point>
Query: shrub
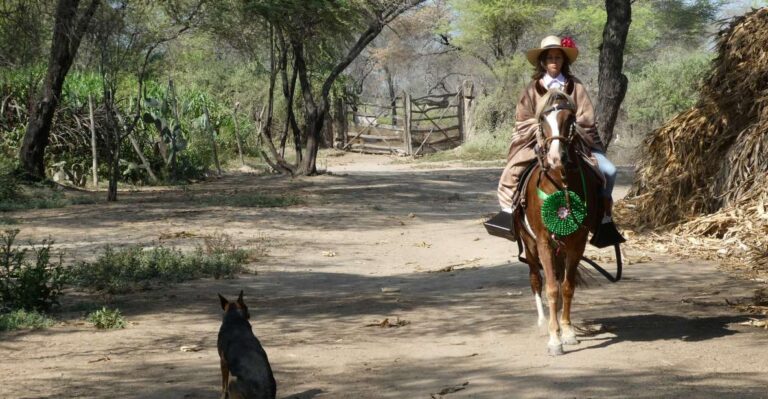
<point>135,268</point>
<point>26,285</point>
<point>20,319</point>
<point>9,183</point>
<point>107,318</point>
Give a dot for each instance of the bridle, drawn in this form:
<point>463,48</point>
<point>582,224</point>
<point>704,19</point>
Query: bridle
<point>543,143</point>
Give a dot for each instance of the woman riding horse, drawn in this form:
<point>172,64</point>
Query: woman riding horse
<point>555,126</point>
<point>552,61</point>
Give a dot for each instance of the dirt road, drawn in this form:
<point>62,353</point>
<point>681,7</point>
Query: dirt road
<point>379,240</point>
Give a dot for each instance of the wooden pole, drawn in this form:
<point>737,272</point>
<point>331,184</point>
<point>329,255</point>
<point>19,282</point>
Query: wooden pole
<point>465,110</point>
<point>237,135</point>
<point>95,166</point>
<point>407,124</point>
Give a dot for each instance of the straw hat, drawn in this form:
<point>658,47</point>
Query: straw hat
<point>549,42</point>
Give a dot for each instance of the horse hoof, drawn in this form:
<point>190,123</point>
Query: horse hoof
<point>570,340</point>
<point>555,350</point>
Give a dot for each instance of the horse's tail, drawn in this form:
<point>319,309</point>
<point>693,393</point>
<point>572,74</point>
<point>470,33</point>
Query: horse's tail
<point>584,276</point>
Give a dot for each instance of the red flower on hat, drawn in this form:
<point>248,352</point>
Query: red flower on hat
<point>568,42</point>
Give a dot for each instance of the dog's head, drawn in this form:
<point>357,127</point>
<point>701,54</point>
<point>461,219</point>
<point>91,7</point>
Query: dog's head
<point>236,306</point>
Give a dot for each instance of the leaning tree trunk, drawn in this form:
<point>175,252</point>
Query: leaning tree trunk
<point>67,33</point>
<point>612,83</point>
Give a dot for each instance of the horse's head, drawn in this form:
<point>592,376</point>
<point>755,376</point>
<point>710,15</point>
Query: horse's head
<point>556,115</point>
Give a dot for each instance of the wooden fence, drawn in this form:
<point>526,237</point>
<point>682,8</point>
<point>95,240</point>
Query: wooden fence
<point>405,125</point>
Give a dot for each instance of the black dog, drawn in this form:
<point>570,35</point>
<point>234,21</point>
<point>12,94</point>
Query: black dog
<point>242,356</point>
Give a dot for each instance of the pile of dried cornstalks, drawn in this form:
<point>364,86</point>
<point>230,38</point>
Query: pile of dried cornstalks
<point>703,177</point>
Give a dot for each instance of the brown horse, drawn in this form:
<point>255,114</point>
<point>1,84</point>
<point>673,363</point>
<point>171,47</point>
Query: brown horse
<point>560,150</point>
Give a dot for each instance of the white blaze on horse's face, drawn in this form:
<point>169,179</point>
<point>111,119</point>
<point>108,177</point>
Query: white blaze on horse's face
<point>553,155</point>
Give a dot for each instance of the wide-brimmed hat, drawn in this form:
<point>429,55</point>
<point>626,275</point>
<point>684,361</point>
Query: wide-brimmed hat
<point>550,42</point>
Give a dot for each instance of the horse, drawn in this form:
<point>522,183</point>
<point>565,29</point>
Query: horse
<point>559,166</point>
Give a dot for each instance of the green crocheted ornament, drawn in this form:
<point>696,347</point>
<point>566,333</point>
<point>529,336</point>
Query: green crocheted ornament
<point>558,218</point>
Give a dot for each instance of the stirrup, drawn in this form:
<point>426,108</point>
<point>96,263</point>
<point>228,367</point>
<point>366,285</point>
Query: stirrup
<point>501,225</point>
<point>606,235</point>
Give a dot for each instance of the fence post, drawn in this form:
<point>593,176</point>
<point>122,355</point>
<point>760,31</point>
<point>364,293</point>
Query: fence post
<point>407,123</point>
<point>465,109</point>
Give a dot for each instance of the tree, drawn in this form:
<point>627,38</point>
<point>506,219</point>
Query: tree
<point>322,38</point>
<point>70,26</point>
<point>612,83</point>
<point>126,39</point>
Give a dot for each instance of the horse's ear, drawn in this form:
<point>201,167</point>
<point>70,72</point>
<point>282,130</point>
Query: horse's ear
<point>224,302</point>
<point>240,298</point>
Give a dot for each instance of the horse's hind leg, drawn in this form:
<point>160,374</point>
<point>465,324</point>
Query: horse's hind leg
<point>535,276</point>
<point>568,335</point>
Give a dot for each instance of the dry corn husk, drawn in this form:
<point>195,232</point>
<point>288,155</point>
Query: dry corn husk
<point>705,173</point>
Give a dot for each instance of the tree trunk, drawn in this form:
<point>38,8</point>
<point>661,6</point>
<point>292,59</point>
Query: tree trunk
<point>209,125</point>
<point>612,83</point>
<point>94,152</point>
<point>392,95</point>
<point>237,135</point>
<point>67,33</point>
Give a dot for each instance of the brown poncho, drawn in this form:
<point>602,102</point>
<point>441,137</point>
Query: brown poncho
<point>521,149</point>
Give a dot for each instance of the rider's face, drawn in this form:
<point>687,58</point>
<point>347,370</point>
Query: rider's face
<point>553,62</point>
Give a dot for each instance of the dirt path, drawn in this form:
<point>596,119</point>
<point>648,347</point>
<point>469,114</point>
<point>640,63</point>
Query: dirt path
<point>665,331</point>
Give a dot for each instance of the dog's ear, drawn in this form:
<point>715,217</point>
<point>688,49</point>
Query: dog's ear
<point>224,302</point>
<point>240,298</point>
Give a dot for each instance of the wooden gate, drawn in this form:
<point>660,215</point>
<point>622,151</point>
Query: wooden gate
<point>405,125</point>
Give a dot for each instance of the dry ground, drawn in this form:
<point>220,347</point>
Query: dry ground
<point>371,227</point>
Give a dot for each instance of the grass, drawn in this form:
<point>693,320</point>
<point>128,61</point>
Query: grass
<point>23,319</point>
<point>482,147</point>
<point>107,319</point>
<point>251,200</point>
<point>8,221</point>
<point>136,268</point>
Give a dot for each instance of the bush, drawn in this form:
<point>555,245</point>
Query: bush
<point>20,318</point>
<point>107,319</point>
<point>136,268</point>
<point>9,183</point>
<point>25,285</point>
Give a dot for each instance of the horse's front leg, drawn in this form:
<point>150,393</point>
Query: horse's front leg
<point>555,346</point>
<point>569,287</point>
<point>572,259</point>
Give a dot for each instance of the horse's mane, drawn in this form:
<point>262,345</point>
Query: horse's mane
<point>550,98</point>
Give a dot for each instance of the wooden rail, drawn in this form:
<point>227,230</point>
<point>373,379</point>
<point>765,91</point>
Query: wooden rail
<point>405,125</point>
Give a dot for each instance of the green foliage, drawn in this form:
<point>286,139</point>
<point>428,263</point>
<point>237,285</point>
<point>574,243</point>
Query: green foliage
<point>662,89</point>
<point>27,285</point>
<point>107,319</point>
<point>9,183</point>
<point>43,198</point>
<point>134,268</point>
<point>8,221</point>
<point>24,319</point>
<point>495,27</point>
<point>496,109</point>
